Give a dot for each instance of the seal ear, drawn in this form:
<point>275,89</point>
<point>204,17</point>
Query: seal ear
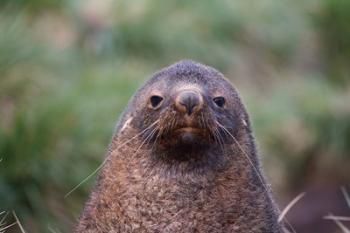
<point>126,124</point>
<point>124,121</point>
<point>244,122</point>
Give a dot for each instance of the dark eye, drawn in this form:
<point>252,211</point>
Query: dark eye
<point>155,100</point>
<point>219,101</point>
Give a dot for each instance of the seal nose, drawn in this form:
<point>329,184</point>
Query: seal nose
<point>188,101</point>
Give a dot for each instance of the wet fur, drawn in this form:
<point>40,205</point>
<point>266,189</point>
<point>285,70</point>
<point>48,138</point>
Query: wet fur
<point>152,183</point>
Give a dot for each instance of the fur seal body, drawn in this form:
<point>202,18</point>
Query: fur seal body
<point>183,159</point>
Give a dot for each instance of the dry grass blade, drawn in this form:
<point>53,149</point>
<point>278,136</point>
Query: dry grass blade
<point>339,218</point>
<point>285,230</point>
<point>339,223</point>
<point>2,230</point>
<point>2,222</point>
<point>289,206</point>
<point>346,195</point>
<point>53,230</point>
<point>3,218</point>
<point>18,222</point>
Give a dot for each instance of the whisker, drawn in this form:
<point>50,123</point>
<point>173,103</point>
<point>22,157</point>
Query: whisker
<point>246,155</point>
<point>149,136</point>
<point>105,160</point>
<point>252,164</point>
<point>173,123</point>
<point>202,120</point>
<point>155,141</point>
<point>159,134</point>
<point>219,139</point>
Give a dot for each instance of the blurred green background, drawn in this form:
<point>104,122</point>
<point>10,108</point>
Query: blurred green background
<point>68,68</point>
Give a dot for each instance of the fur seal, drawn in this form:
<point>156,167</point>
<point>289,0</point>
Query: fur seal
<point>182,159</point>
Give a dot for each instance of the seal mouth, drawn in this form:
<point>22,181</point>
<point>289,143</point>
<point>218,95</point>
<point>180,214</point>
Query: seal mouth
<point>187,130</point>
<point>189,135</point>
<point>177,131</point>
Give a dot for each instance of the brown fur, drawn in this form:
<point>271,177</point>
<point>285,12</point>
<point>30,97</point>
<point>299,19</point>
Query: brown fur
<point>160,184</point>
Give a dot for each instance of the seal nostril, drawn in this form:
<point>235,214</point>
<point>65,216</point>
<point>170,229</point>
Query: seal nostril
<point>187,101</point>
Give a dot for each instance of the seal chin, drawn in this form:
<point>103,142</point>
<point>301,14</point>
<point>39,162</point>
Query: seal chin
<point>188,138</point>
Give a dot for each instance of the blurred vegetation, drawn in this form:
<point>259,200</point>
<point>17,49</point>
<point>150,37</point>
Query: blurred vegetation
<point>68,68</point>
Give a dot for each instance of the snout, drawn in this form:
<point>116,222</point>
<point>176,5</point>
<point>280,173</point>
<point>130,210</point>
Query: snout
<point>189,101</point>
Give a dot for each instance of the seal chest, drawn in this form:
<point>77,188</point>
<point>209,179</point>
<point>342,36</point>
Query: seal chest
<point>182,159</point>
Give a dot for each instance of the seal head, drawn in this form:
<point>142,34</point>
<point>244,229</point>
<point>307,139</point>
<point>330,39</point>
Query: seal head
<point>187,112</point>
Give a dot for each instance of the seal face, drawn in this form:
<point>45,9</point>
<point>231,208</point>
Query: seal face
<point>182,159</point>
<point>188,113</point>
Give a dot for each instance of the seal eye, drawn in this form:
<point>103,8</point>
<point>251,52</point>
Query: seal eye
<point>155,100</point>
<point>219,101</point>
